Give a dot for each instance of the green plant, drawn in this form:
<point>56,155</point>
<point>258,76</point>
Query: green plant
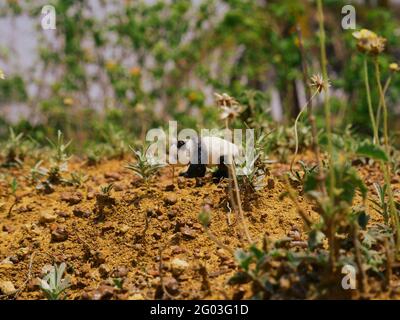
<point>14,188</point>
<point>58,160</point>
<point>37,172</point>
<point>14,149</point>
<point>104,201</point>
<point>318,83</point>
<point>381,205</point>
<point>76,179</point>
<point>373,46</point>
<point>298,177</point>
<point>95,154</point>
<point>53,284</point>
<point>60,155</point>
<point>275,271</point>
<point>106,190</point>
<point>251,176</point>
<point>229,110</point>
<point>115,139</point>
<point>252,179</point>
<point>386,166</point>
<point>145,166</point>
<point>281,141</point>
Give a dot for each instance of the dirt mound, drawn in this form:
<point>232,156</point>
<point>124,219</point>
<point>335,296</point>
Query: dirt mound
<point>113,246</point>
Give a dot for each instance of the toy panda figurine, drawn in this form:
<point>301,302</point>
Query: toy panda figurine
<point>206,151</point>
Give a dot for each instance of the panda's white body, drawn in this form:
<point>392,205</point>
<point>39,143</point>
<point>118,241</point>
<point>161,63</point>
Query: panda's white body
<point>208,151</point>
<point>211,150</point>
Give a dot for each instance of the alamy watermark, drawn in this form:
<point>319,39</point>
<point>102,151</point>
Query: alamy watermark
<point>349,281</point>
<point>48,21</point>
<point>349,20</point>
<point>49,18</point>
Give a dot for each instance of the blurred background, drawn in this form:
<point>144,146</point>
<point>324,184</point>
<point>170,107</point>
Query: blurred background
<point>121,67</point>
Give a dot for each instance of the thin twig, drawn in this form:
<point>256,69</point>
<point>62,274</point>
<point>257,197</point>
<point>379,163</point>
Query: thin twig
<point>311,116</point>
<point>369,102</point>
<point>11,207</point>
<point>228,216</point>
<point>385,89</point>
<point>389,263</point>
<point>327,106</point>
<point>386,166</point>
<point>239,204</point>
<point>296,133</point>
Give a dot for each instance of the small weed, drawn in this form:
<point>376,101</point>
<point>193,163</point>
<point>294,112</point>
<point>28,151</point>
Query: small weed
<point>77,179</point>
<point>14,188</point>
<point>53,284</point>
<point>14,149</point>
<point>37,172</point>
<point>145,167</point>
<point>106,190</point>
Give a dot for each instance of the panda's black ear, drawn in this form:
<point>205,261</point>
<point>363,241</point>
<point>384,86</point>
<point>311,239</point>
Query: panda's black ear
<point>180,143</point>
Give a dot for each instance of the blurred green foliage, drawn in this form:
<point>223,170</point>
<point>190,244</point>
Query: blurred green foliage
<point>151,61</point>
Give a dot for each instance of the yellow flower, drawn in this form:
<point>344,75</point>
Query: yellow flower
<point>68,101</point>
<point>111,65</point>
<point>140,108</point>
<point>369,42</point>
<point>317,82</point>
<point>135,71</point>
<point>192,96</point>
<point>364,34</point>
<point>2,76</point>
<point>394,67</point>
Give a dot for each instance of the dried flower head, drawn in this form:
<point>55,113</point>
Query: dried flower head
<point>230,107</point>
<point>2,76</point>
<point>225,100</point>
<point>394,67</point>
<point>369,42</point>
<point>317,82</point>
<point>230,112</point>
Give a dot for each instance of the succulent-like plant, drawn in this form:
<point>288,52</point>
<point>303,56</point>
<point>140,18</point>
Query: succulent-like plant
<point>145,166</point>
<point>13,149</point>
<point>37,172</point>
<point>14,188</point>
<point>59,159</point>
<point>53,284</point>
<point>106,190</point>
<point>60,148</point>
<point>77,179</point>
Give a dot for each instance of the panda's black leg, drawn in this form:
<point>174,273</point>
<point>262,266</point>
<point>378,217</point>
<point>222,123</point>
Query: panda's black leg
<point>222,171</point>
<point>195,171</point>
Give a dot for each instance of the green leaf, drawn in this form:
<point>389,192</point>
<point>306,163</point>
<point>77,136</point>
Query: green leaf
<point>315,238</point>
<point>239,278</point>
<point>243,258</point>
<point>310,182</point>
<point>372,151</point>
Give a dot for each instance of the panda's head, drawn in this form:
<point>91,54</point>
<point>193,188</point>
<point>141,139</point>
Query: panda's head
<point>180,144</point>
